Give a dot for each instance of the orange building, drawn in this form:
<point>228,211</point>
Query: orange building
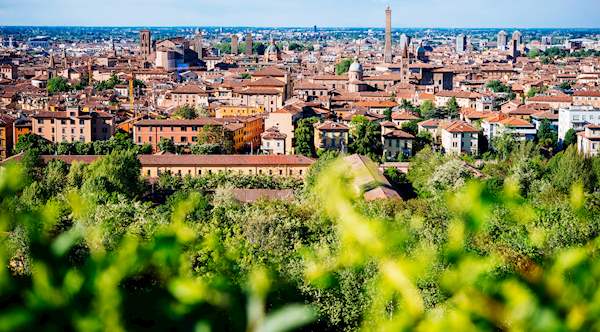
<point>6,136</point>
<point>73,125</point>
<point>244,131</point>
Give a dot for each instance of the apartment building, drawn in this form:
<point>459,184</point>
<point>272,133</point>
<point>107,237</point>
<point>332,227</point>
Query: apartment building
<point>243,131</point>
<point>576,117</point>
<point>6,136</point>
<point>460,137</point>
<point>588,141</point>
<point>73,125</point>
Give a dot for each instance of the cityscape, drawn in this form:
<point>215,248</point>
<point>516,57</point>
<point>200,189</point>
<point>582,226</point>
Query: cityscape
<point>313,178</point>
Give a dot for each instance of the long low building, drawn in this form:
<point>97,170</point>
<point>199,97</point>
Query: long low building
<point>198,165</point>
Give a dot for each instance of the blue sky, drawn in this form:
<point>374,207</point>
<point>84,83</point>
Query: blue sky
<point>350,13</point>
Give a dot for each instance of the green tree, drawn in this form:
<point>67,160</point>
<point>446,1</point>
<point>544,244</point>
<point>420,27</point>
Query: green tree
<point>570,138</point>
<point>427,110</point>
<point>411,127</point>
<point>504,145</point>
<point>547,137</point>
<point>388,114</point>
<point>58,84</point>
<point>365,137</point>
<point>343,66</point>
<point>216,135</point>
<point>453,108</point>
<point>166,145</point>
<point>31,141</point>
<point>185,112</point>
<point>304,137</point>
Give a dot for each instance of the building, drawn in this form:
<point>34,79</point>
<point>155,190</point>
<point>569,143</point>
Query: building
<point>145,44</point>
<point>587,98</point>
<point>198,44</point>
<point>190,95</point>
<point>249,44</point>
<point>387,53</point>
<point>331,136</point>
<point>152,166</point>
<point>396,142</point>
<point>520,129</point>
<point>554,102</point>
<point>273,142</point>
<point>244,132</point>
<point>73,125</point>
<point>272,52</point>
<point>502,40</point>
<point>588,141</point>
<point>461,43</point>
<point>235,42</point>
<point>285,120</point>
<point>460,137</point>
<point>226,111</point>
<point>576,118</point>
<point>9,71</point>
<point>368,179</point>
<point>6,136</point>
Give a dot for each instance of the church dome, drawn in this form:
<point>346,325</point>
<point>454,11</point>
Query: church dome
<point>355,66</point>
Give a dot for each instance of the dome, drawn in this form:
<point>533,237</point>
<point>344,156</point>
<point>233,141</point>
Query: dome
<point>355,67</point>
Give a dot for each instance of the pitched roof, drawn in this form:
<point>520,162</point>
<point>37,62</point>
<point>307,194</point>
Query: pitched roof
<point>459,127</point>
<point>267,82</point>
<point>332,126</point>
<point>551,99</point>
<point>270,71</point>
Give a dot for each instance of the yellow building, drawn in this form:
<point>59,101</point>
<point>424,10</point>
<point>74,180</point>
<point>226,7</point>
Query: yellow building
<point>234,111</point>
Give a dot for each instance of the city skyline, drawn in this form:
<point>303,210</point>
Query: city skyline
<point>325,13</point>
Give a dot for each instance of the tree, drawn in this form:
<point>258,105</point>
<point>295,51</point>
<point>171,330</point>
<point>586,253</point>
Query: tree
<point>388,114</point>
<point>570,138</point>
<point>205,149</point>
<point>185,112</point>
<point>533,53</point>
<point>166,145</point>
<point>411,127</point>
<point>212,134</point>
<point>109,83</point>
<point>116,173</point>
<point>504,144</point>
<point>304,137</point>
<point>32,141</point>
<point>58,84</point>
<point>427,110</point>
<point>366,137</point>
<point>566,85</point>
<point>343,66</point>
<point>453,108</point>
<point>547,137</point>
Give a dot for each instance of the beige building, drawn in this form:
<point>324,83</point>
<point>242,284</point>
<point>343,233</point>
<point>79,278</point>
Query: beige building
<point>73,125</point>
<point>586,98</point>
<point>460,137</point>
<point>332,136</point>
<point>588,141</point>
<point>192,165</point>
<point>191,95</point>
<point>285,120</point>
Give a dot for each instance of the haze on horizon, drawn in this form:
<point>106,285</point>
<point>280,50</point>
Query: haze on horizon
<point>304,13</point>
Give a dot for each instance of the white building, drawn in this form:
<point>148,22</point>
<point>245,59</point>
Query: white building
<point>273,142</point>
<point>588,141</point>
<point>576,117</point>
<point>460,137</point>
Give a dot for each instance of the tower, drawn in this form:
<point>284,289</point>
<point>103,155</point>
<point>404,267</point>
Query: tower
<point>249,44</point>
<point>113,50</point>
<point>198,44</point>
<point>502,40</point>
<point>145,43</point>
<point>51,63</point>
<point>65,63</point>
<point>461,43</point>
<point>387,54</point>
<point>518,37</point>
<point>235,42</point>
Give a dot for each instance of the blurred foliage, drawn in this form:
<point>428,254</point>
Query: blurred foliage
<point>510,246</point>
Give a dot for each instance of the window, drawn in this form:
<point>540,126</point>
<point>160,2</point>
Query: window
<point>139,139</point>
<point>199,172</point>
<point>183,139</point>
<point>40,130</point>
<point>40,121</point>
<point>148,172</point>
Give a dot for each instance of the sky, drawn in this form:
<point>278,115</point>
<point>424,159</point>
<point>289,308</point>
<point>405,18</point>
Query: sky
<point>305,13</point>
